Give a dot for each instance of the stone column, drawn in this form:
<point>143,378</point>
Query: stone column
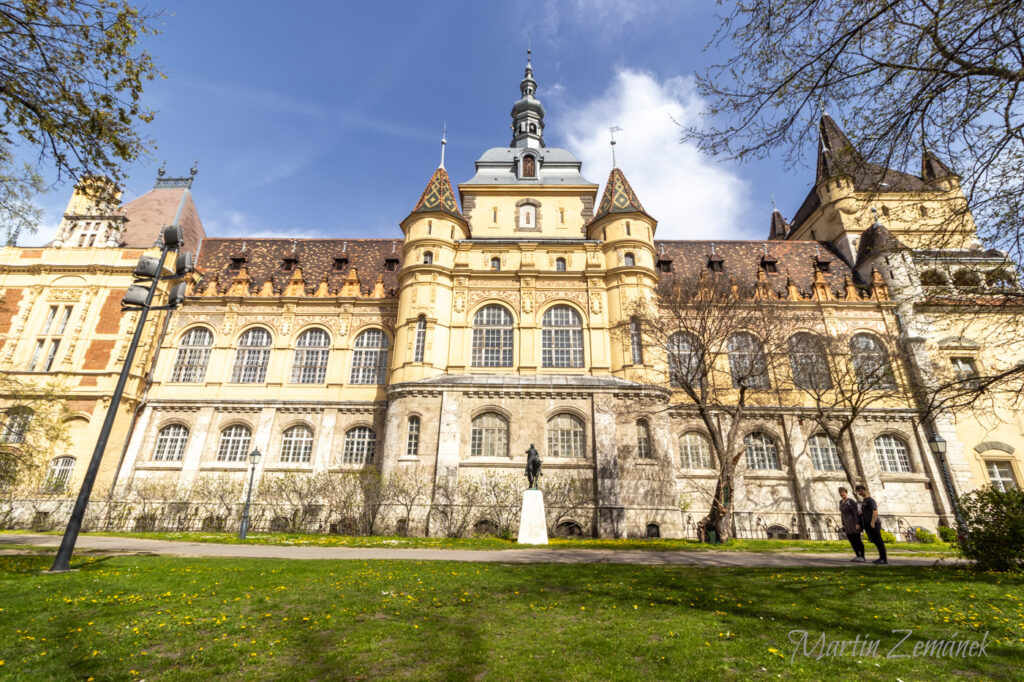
<point>199,432</point>
<point>322,454</point>
<point>131,455</point>
<point>449,437</point>
<point>393,433</point>
<point>610,512</point>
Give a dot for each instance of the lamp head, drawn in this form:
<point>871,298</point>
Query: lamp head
<point>254,456</point>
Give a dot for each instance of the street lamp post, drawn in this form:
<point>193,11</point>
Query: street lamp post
<point>254,458</point>
<point>937,444</point>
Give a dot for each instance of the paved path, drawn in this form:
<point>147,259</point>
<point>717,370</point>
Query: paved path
<point>128,545</point>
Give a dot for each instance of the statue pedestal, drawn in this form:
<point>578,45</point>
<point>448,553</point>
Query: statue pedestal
<point>533,527</point>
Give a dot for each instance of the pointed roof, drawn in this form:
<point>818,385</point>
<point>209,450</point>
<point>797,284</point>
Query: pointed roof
<point>618,197</point>
<point>875,241</point>
<point>779,227</point>
<point>932,167</point>
<point>438,197</point>
<point>836,154</point>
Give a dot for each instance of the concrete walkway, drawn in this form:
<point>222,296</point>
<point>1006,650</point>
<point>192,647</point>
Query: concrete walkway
<point>136,546</point>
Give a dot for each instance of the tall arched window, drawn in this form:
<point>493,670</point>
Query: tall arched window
<point>234,444</point>
<point>251,357</point>
<point>808,363</point>
<point>16,425</point>
<point>871,363</point>
<point>297,444</point>
<point>421,339</point>
<point>562,337</point>
<point>311,352</point>
<point>193,355</point>
<point>428,257</point>
<point>58,475</point>
<point>824,453</point>
<point>412,440</point>
<point>747,362</point>
<point>170,443</point>
<point>643,440</point>
<point>629,260</point>
<point>559,265</point>
<point>636,342</point>
<point>893,454</point>
<point>489,436</point>
<point>492,337</point>
<point>684,361</point>
<point>760,451</point>
<point>370,358</point>
<point>694,451</point>
<point>360,446</point>
<point>565,436</point>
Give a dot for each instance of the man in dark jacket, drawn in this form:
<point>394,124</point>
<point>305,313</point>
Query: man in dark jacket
<point>851,523</point>
<point>870,523</point>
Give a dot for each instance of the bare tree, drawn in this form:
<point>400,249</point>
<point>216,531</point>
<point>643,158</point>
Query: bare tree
<point>216,496</point>
<point>501,501</point>
<point>34,429</point>
<point>456,506</point>
<point>294,498</point>
<point>567,499</point>
<point>410,487</point>
<point>343,496</point>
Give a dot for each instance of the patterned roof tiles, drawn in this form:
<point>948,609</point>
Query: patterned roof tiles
<point>438,196</point>
<point>618,197</point>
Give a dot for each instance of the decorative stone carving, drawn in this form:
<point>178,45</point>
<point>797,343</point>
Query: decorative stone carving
<point>68,295</point>
<point>528,302</point>
<point>460,302</point>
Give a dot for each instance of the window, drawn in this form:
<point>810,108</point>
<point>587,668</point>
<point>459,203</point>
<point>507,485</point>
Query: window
<point>924,210</point>
<point>643,440</point>
<point>694,451</point>
<point>715,264</point>
<point>824,453</point>
<point>16,426</point>
<point>871,364</point>
<point>565,436</point>
<point>370,359</point>
<point>808,363</point>
<point>49,337</point>
<point>297,445</point>
<point>251,357</point>
<point>965,370</point>
<point>234,444</point>
<point>760,451</point>
<point>170,443</point>
<point>492,337</point>
<point>495,263</point>
<point>237,263</point>
<point>489,437</point>
<point>747,362</point>
<point>561,337</point>
<point>559,265</point>
<point>340,263</point>
<point>1001,475</point>
<point>412,439</point>
<point>629,260</point>
<point>529,164</point>
<point>288,264</point>
<point>54,345</point>
<point>933,278</point>
<point>561,216</point>
<point>59,474</point>
<point>88,234</point>
<point>421,339</point>
<point>629,230</point>
<point>360,446</point>
<point>193,356</point>
<point>311,351</point>
<point>684,361</point>
<point>527,216</point>
<point>636,342</point>
<point>428,257</point>
<point>966,278</point>
<point>769,264</point>
<point>892,454</point>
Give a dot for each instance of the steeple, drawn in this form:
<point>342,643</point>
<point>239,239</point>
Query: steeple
<point>779,227</point>
<point>618,197</point>
<point>932,167</point>
<point>836,154</point>
<point>438,197</point>
<point>528,112</point>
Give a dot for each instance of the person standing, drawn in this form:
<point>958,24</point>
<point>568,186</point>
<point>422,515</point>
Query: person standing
<point>850,512</point>
<point>871,524</point>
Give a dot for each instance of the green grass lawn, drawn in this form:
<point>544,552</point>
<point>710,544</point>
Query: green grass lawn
<point>152,618</point>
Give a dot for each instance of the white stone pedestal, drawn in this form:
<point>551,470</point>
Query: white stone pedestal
<point>533,527</point>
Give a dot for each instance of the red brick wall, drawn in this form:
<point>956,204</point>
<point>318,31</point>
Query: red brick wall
<point>110,313</point>
<point>98,354</point>
<point>9,308</point>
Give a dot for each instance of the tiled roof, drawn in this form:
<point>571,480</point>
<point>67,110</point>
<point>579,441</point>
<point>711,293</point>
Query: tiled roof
<point>618,197</point>
<point>150,213</point>
<point>316,259</point>
<point>874,241</point>
<point>932,167</point>
<point>438,196</point>
<point>779,228</point>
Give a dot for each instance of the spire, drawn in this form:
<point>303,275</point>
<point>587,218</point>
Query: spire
<point>528,112</point>
<point>444,132</point>
<point>836,154</point>
<point>779,227</point>
<point>612,131</point>
<point>438,197</point>
<point>618,197</point>
<point>932,167</point>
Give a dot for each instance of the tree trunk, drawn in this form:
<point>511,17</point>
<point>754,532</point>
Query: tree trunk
<point>719,517</point>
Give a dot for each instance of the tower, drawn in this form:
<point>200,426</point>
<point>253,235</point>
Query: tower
<point>528,113</point>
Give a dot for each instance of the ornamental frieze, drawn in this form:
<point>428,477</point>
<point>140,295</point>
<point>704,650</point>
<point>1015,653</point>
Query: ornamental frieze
<point>579,297</point>
<point>477,295</point>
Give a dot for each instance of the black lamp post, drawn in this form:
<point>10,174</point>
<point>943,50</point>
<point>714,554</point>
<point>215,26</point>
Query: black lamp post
<point>254,457</point>
<point>937,444</point>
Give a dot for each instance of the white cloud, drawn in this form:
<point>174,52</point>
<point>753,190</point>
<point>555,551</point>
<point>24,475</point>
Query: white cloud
<point>689,195</point>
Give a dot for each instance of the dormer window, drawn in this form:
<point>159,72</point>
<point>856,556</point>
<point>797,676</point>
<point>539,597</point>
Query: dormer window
<point>390,263</point>
<point>288,264</point>
<point>822,264</point>
<point>769,264</point>
<point>665,264</point>
<point>237,262</point>
<point>341,263</point>
<point>715,263</point>
<point>529,166</point>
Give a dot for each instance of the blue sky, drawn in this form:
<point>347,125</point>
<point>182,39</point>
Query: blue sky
<point>323,119</point>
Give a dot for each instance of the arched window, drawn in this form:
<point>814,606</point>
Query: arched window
<point>760,451</point>
<point>251,357</point>
<point>59,474</point>
<point>489,437</point>
<point>170,443</point>
<point>428,257</point>
<point>16,425</point>
<point>370,358</point>
<point>492,337</point>
<point>684,361</point>
<point>559,265</point>
<point>311,351</point>
<point>636,342</point>
<point>421,339</point>
<point>561,337</point>
<point>747,361</point>
<point>565,436</point>
<point>412,440</point>
<point>643,440</point>
<point>629,259</point>
<point>892,454</point>
<point>360,446</point>
<point>694,451</point>
<point>871,364</point>
<point>297,444</point>
<point>234,443</point>
<point>529,165</point>
<point>193,355</point>
<point>824,453</point>
<point>808,363</point>
<point>933,278</point>
<point>495,263</point>
<point>527,215</point>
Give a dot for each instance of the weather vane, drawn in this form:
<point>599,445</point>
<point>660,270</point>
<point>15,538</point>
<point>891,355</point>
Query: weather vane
<point>444,141</point>
<point>612,131</point>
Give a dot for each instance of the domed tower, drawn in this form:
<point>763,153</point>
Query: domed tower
<point>528,113</point>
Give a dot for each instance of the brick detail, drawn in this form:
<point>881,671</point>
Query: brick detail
<point>110,313</point>
<point>9,308</point>
<point>130,255</point>
<point>86,406</point>
<point>98,354</point>
<point>87,381</point>
<point>31,253</point>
